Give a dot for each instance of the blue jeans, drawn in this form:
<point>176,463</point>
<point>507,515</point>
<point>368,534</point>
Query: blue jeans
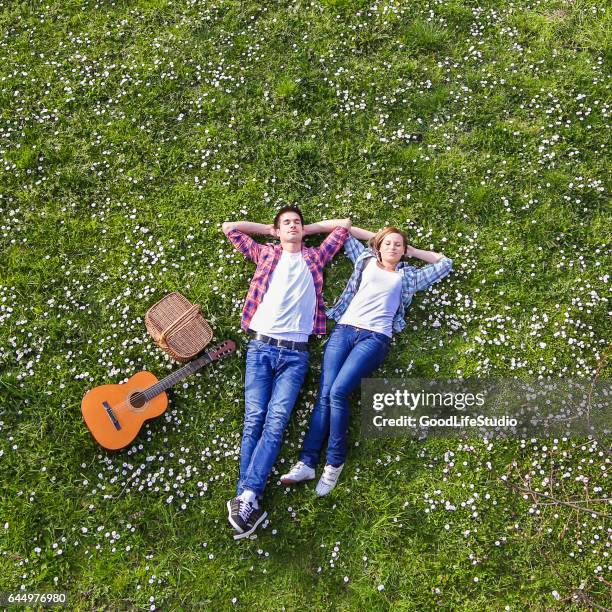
<point>351,354</point>
<point>272,382</point>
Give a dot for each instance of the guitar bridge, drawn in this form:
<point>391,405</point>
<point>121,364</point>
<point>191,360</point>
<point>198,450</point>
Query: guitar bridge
<point>111,415</point>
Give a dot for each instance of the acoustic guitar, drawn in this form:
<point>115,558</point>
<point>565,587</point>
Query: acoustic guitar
<point>114,414</point>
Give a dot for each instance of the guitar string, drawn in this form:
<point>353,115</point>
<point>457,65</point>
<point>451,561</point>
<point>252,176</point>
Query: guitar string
<point>128,404</point>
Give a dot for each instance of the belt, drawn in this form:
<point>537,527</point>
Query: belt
<point>290,344</point>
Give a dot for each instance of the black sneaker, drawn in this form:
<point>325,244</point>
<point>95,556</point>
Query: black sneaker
<point>254,517</point>
<point>234,515</point>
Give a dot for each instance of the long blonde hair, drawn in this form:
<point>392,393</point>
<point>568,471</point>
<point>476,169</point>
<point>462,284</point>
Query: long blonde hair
<point>375,241</point>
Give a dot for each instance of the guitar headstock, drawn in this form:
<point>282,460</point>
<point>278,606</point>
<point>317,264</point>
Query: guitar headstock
<point>227,347</point>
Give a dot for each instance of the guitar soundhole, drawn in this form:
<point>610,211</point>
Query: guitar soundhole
<point>137,400</point>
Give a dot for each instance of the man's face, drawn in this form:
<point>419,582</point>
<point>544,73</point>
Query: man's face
<point>289,228</point>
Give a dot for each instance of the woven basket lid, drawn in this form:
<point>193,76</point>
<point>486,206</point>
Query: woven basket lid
<point>187,339</point>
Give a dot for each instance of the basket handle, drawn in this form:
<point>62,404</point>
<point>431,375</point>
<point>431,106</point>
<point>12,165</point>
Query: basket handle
<point>180,322</point>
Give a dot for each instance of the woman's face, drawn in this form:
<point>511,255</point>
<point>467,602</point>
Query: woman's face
<point>392,248</point>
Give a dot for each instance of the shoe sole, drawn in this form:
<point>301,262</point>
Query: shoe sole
<point>229,518</point>
<point>286,481</point>
<point>245,534</point>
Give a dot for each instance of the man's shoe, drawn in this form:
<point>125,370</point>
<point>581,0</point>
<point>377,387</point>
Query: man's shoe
<point>300,472</point>
<point>235,511</point>
<point>254,517</point>
<point>328,479</point>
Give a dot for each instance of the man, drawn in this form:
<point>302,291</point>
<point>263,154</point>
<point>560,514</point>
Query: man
<point>284,305</point>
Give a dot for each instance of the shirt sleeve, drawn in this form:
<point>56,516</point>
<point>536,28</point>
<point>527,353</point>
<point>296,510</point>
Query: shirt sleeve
<point>245,244</point>
<point>425,277</point>
<point>332,244</point>
<point>353,248</point>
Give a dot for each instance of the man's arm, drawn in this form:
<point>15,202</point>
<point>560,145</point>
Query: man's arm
<point>237,233</point>
<point>332,244</point>
<point>326,226</point>
<point>361,234</point>
<point>248,227</point>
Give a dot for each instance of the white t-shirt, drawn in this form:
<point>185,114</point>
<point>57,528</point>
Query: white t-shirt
<point>287,309</point>
<point>376,301</point>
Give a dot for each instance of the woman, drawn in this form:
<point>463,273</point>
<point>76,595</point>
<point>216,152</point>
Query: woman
<point>370,309</point>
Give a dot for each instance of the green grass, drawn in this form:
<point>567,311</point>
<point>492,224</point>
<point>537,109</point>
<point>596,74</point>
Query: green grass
<point>131,129</point>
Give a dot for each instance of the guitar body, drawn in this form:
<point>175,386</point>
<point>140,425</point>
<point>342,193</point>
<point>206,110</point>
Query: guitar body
<point>114,414</point>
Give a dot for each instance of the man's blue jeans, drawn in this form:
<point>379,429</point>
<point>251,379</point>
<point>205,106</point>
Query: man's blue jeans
<point>273,379</point>
<point>351,354</point>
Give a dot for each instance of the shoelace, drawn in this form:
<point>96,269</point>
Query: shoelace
<point>329,475</point>
<point>245,510</point>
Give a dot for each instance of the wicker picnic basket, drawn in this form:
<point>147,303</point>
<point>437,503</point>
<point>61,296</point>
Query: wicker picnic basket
<point>178,327</point>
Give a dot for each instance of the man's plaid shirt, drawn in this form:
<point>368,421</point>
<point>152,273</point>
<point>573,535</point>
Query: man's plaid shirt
<point>413,280</point>
<point>266,257</point>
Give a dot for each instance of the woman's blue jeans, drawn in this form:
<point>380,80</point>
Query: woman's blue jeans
<point>351,354</point>
<point>273,380</point>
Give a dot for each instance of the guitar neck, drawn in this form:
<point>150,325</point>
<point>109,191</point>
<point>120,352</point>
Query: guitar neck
<point>175,377</point>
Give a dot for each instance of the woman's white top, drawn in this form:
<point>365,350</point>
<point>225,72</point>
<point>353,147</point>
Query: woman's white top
<point>287,308</point>
<point>376,301</point>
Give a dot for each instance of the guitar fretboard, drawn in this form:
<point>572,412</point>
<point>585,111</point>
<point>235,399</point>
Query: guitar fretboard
<point>172,379</point>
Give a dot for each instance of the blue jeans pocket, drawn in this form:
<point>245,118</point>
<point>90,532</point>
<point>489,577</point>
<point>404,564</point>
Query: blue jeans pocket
<point>382,339</point>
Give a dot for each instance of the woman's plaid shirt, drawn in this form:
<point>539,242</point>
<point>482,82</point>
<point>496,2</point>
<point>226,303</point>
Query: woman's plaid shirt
<point>266,257</point>
<point>413,280</point>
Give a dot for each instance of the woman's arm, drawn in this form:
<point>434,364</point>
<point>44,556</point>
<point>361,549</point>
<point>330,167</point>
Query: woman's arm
<point>361,234</point>
<point>325,227</point>
<point>248,227</point>
<point>428,256</point>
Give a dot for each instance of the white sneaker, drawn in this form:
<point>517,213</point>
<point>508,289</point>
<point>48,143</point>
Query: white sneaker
<point>300,472</point>
<point>328,479</point>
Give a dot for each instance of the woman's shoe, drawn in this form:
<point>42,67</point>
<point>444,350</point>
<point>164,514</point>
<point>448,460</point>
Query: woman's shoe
<point>300,472</point>
<point>328,479</point>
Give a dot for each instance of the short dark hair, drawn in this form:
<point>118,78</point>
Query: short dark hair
<point>285,209</point>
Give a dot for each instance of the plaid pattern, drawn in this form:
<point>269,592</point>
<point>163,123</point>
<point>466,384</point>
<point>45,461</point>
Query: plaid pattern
<point>266,257</point>
<point>413,280</point>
